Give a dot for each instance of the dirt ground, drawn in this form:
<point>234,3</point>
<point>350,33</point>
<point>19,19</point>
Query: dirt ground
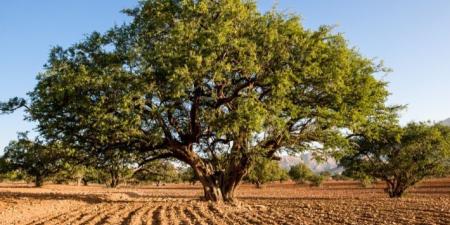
<point>343,202</point>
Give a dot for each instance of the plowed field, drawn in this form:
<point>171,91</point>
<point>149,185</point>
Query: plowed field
<point>343,202</point>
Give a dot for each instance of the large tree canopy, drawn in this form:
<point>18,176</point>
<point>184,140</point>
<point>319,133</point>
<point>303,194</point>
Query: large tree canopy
<point>214,84</point>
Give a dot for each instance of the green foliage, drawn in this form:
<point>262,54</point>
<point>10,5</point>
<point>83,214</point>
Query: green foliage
<point>214,84</point>
<point>316,180</point>
<point>303,174</point>
<point>35,158</point>
<point>326,174</point>
<point>115,163</point>
<point>93,175</point>
<point>11,105</point>
<point>15,175</point>
<point>366,181</point>
<point>266,170</point>
<point>300,173</point>
<point>159,171</point>
<point>361,176</point>
<point>340,177</point>
<point>401,156</point>
<point>188,175</point>
<point>80,174</point>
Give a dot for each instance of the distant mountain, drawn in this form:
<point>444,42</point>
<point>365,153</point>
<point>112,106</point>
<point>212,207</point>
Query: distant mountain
<point>446,122</point>
<point>330,165</point>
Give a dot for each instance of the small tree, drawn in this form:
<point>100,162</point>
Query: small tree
<point>266,170</point>
<point>112,164</point>
<point>35,158</point>
<point>159,171</point>
<point>401,156</point>
<point>93,175</point>
<point>316,179</point>
<point>300,173</point>
<point>364,179</point>
<point>326,174</point>
<point>15,175</point>
<point>340,177</point>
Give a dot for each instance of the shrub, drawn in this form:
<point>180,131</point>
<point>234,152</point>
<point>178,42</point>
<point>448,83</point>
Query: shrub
<point>300,173</point>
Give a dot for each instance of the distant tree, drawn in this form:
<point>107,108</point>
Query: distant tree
<point>14,175</point>
<point>364,179</point>
<point>300,173</point>
<point>401,156</point>
<point>158,171</point>
<point>326,174</point>
<point>266,170</point>
<point>188,175</point>
<point>80,174</point>
<point>213,84</point>
<point>36,158</point>
<point>116,163</point>
<point>316,179</point>
<point>340,177</point>
<point>93,175</point>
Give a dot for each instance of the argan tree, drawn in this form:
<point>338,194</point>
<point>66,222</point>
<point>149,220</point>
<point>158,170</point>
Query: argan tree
<point>266,170</point>
<point>300,173</point>
<point>158,171</point>
<point>117,163</point>
<point>212,83</point>
<point>35,158</point>
<point>401,156</point>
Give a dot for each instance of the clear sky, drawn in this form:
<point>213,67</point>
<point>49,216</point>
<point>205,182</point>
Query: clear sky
<point>411,36</point>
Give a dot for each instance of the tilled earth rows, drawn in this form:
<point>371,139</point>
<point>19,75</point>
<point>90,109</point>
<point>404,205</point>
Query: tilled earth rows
<point>169,211</point>
<point>283,204</point>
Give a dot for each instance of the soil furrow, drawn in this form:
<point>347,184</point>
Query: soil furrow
<point>146,218</point>
<point>135,217</point>
<point>49,219</point>
<point>193,216</point>
<point>98,214</point>
<point>119,217</point>
<point>159,217</point>
<point>171,214</point>
<point>184,220</point>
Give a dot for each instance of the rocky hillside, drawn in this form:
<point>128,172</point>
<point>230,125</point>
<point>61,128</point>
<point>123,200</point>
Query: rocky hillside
<point>446,122</point>
<point>330,165</point>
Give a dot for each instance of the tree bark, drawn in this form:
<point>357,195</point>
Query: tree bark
<point>218,185</point>
<point>85,182</point>
<point>114,179</point>
<point>395,188</point>
<point>39,180</point>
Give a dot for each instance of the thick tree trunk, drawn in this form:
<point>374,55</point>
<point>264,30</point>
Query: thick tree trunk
<point>85,182</point>
<point>219,186</point>
<point>395,188</point>
<point>258,184</point>
<point>39,181</point>
<point>219,183</point>
<point>212,192</point>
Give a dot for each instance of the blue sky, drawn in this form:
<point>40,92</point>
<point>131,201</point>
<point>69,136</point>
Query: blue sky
<point>412,37</point>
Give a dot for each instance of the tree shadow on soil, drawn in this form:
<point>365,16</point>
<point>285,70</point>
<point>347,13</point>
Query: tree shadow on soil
<point>53,196</point>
